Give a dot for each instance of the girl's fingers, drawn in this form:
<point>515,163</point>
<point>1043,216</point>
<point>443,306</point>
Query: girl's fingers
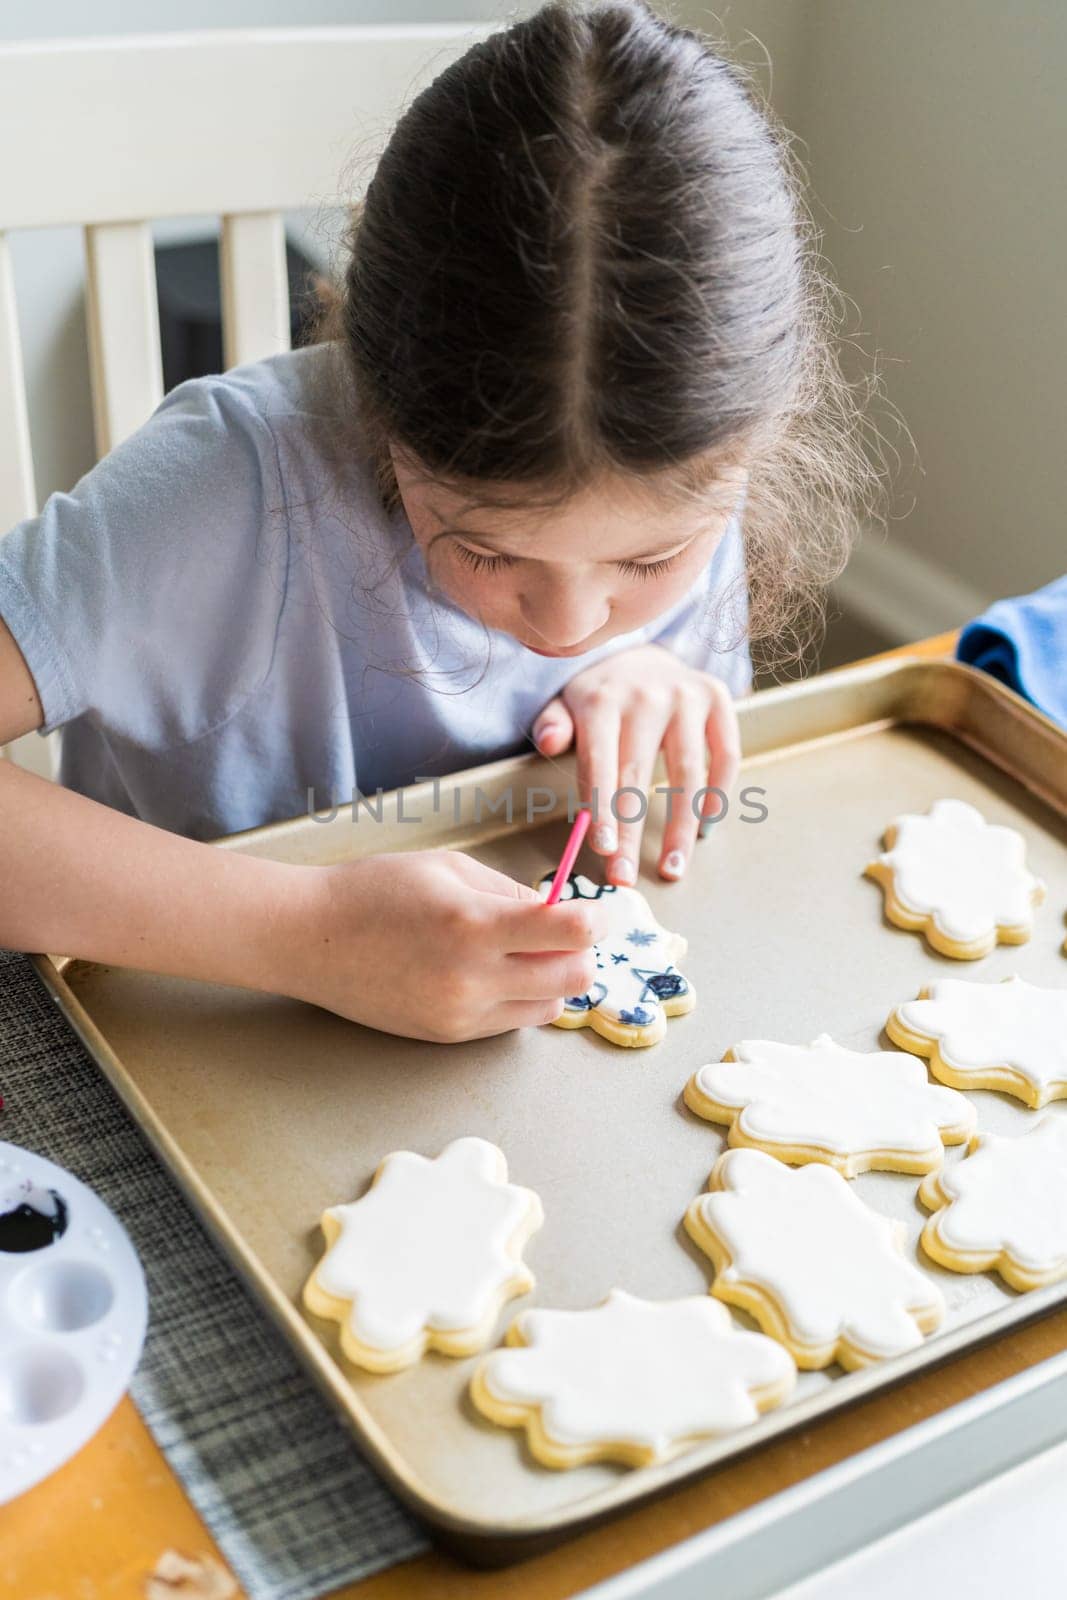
<point>724,746</point>
<point>553,729</point>
<point>525,1014</point>
<point>487,880</point>
<point>686,757</point>
<point>507,1016</point>
<point>597,741</point>
<point>546,977</point>
<point>530,927</point>
<point>642,734</point>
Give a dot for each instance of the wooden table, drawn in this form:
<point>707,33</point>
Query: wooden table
<point>115,1515</point>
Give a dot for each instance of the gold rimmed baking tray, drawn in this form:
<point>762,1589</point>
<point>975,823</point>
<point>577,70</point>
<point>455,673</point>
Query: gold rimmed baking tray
<point>267,1110</point>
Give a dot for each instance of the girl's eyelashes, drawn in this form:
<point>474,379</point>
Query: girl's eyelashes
<point>638,569</point>
<point>479,562</point>
<point>649,569</point>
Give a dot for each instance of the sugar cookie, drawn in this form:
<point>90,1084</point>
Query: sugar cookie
<point>958,879</point>
<point>638,985</point>
<point>426,1258</point>
<point>817,1268</point>
<point>1004,1207</point>
<point>629,1380</point>
<point>1010,1035</point>
<point>854,1110</point>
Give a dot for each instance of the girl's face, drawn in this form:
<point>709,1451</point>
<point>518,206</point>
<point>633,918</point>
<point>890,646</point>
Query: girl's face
<point>562,582</point>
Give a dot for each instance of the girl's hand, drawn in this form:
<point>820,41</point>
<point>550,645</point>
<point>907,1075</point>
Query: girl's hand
<point>436,946</point>
<point>620,714</point>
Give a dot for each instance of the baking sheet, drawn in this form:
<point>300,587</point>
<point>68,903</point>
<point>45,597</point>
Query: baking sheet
<point>269,1110</point>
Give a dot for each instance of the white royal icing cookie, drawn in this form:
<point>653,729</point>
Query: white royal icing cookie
<point>637,984</point>
<point>1010,1035</point>
<point>630,1380</point>
<point>958,879</point>
<point>818,1269</point>
<point>426,1258</point>
<point>1004,1207</point>
<point>820,1102</point>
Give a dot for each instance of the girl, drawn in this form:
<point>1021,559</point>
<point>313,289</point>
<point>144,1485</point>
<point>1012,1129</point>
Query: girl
<point>582,324</point>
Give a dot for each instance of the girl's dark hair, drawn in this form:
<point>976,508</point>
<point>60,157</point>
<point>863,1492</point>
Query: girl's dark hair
<point>585,251</point>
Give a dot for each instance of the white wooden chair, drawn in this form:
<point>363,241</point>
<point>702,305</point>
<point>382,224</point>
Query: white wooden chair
<point>113,134</point>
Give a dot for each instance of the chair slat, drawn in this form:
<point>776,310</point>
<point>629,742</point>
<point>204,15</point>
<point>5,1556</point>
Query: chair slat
<point>125,364</point>
<point>18,496</point>
<point>199,124</point>
<point>255,287</point>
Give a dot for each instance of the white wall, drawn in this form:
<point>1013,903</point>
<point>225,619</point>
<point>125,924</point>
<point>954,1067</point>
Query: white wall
<point>936,137</point>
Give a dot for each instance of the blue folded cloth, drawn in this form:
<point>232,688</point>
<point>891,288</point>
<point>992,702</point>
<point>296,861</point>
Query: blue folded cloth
<point>1023,642</point>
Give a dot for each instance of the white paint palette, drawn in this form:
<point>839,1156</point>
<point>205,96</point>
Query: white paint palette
<point>73,1311</point>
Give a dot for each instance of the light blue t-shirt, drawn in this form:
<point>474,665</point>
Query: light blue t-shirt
<point>221,621</point>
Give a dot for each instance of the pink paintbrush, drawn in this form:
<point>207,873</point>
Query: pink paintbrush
<point>570,855</point>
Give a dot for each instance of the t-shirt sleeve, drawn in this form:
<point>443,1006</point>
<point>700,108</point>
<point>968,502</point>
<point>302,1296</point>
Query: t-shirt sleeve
<point>709,630</point>
<point>148,598</point>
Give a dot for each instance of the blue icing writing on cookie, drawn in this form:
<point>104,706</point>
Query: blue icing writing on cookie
<point>586,1002</point>
<point>628,995</point>
<point>637,1018</point>
<point>664,985</point>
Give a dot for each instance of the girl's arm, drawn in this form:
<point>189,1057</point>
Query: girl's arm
<point>430,944</point>
<point>79,878</point>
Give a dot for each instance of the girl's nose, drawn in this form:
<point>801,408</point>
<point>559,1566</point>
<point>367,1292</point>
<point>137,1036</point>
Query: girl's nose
<point>562,615</point>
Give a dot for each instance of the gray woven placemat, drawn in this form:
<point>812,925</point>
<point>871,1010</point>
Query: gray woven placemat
<point>294,1509</point>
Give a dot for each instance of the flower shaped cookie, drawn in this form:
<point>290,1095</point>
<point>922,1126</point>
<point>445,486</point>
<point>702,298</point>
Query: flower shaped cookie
<point>1010,1035</point>
<point>637,984</point>
<point>852,1109</point>
<point>817,1268</point>
<point>630,1380</point>
<point>426,1258</point>
<point>958,879</point>
<point>1004,1207</point>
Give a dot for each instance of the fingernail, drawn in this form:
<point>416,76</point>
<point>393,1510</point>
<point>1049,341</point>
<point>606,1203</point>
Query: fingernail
<point>623,871</point>
<point>545,728</point>
<point>604,837</point>
<point>706,825</point>
<point>673,863</point>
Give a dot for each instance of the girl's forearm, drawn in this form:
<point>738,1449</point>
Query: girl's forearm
<point>79,878</point>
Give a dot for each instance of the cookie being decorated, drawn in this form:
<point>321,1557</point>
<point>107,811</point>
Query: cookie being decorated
<point>637,986</point>
<point>1004,1207</point>
<point>854,1110</point>
<point>1010,1036</point>
<point>630,1380</point>
<point>426,1258</point>
<point>817,1268</point>
<point>957,879</point>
